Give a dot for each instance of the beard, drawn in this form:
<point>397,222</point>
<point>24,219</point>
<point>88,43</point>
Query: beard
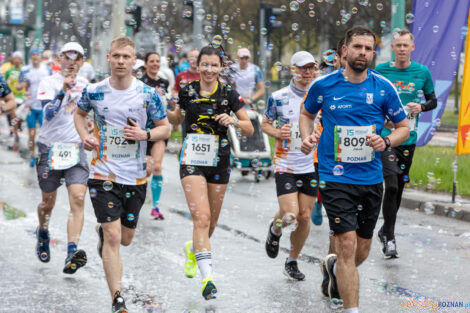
<point>358,67</point>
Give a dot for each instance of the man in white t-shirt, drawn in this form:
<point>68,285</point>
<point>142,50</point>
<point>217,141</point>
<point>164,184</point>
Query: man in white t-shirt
<point>122,105</point>
<point>61,155</point>
<point>296,182</point>
<point>248,78</point>
<point>30,77</point>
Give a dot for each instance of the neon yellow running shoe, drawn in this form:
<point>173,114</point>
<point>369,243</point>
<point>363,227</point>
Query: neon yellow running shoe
<point>190,267</point>
<point>208,288</point>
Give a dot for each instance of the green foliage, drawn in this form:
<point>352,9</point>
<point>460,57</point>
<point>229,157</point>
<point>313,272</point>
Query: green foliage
<point>432,170</point>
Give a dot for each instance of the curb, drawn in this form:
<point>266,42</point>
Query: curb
<point>450,210</point>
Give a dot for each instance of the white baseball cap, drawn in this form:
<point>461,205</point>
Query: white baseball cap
<point>138,64</point>
<point>243,52</point>
<point>302,58</point>
<point>72,46</point>
<point>17,54</point>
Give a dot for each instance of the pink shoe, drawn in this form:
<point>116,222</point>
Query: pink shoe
<point>155,213</point>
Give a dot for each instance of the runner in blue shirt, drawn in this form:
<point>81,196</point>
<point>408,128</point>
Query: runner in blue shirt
<point>355,102</point>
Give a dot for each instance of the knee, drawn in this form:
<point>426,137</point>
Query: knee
<point>304,218</point>
<point>112,237</point>
<point>361,255</point>
<point>46,205</point>
<point>346,247</point>
<point>391,188</point>
<point>202,221</point>
<point>78,199</point>
<point>126,240</point>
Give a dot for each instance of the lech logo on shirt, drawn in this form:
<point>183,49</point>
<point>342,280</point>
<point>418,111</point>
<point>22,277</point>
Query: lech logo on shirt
<point>370,98</point>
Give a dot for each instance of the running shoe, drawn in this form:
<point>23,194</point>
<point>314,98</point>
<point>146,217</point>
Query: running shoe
<point>155,213</point>
<point>291,270</point>
<point>99,247</point>
<point>74,261</point>
<point>326,279</point>
<point>190,266</point>
<point>317,217</point>
<point>208,288</point>
<point>333,291</point>
<point>382,239</point>
<point>119,306</point>
<point>33,161</point>
<point>42,248</point>
<point>391,250</point>
<point>272,243</point>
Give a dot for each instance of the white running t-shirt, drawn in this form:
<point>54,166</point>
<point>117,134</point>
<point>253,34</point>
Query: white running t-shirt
<point>60,127</point>
<point>116,159</point>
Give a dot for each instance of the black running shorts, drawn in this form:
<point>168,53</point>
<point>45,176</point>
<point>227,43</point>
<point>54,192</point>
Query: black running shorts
<point>150,146</point>
<point>289,183</point>
<point>219,174</point>
<point>112,201</point>
<point>352,207</point>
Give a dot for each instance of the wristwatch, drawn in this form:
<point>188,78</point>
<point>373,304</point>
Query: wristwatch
<point>387,142</point>
<point>148,133</point>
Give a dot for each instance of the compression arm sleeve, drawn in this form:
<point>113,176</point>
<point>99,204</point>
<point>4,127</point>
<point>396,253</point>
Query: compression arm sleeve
<point>51,107</point>
<point>431,102</point>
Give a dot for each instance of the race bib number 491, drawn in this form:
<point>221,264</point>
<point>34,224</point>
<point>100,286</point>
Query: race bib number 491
<point>350,144</point>
<point>200,149</point>
<point>118,147</point>
<point>63,155</point>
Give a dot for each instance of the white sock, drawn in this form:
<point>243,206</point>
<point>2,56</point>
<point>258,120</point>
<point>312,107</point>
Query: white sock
<point>204,263</point>
<point>274,232</point>
<point>352,310</point>
<point>334,270</point>
<point>289,259</point>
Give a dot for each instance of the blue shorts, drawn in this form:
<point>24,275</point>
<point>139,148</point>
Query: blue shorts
<point>34,116</point>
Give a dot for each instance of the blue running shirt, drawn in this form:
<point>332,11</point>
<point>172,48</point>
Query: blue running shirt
<point>343,105</point>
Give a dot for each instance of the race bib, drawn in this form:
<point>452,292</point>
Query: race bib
<point>350,144</point>
<point>117,147</point>
<point>200,149</point>
<point>63,155</point>
<point>411,118</point>
<point>295,141</point>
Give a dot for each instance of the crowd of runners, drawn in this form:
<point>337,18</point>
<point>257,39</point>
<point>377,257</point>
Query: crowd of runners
<point>343,132</point>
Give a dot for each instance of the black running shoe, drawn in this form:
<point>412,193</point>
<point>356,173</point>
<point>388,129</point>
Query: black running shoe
<point>99,247</point>
<point>74,261</point>
<point>333,291</point>
<point>391,250</point>
<point>326,279</point>
<point>42,248</point>
<point>119,306</point>
<point>382,239</point>
<point>272,243</point>
<point>291,270</point>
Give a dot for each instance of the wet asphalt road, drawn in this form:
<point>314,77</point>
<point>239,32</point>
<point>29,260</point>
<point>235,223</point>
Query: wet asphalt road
<point>434,263</point>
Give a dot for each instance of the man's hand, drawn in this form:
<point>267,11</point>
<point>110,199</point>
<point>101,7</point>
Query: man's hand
<point>284,132</point>
<point>309,144</point>
<point>69,82</point>
<point>247,101</point>
<point>90,143</point>
<point>134,132</point>
<point>415,108</point>
<point>375,142</point>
